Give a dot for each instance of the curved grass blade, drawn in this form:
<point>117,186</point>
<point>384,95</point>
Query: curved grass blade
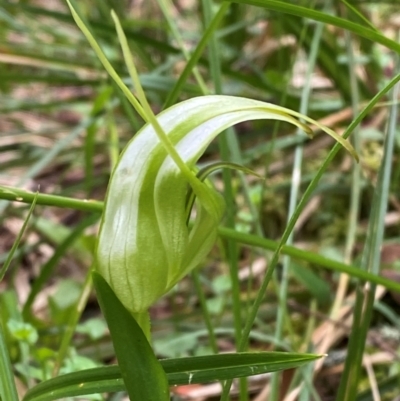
<point>180,371</point>
<point>142,373</point>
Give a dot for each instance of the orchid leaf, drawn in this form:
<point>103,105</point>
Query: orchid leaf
<point>180,371</point>
<point>143,376</point>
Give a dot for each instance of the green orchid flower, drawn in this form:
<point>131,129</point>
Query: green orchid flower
<point>145,245</point>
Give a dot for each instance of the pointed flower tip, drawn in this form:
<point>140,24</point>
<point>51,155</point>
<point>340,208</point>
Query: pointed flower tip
<point>308,130</point>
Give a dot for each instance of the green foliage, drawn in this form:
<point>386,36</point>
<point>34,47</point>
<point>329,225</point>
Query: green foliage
<point>64,123</point>
<point>143,375</point>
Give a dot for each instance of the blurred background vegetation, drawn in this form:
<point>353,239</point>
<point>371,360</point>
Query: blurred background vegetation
<point>63,123</point>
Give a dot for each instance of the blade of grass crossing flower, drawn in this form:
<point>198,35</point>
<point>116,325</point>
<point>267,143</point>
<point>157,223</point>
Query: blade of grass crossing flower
<point>246,239</point>
<point>294,194</point>
<point>150,117</point>
<point>231,246</point>
<point>18,239</point>
<point>209,202</point>
<point>143,375</point>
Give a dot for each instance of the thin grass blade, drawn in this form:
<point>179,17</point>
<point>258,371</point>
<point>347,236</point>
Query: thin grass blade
<point>17,241</point>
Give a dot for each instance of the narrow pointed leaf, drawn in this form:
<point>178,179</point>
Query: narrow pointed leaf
<point>179,371</point>
<point>142,374</point>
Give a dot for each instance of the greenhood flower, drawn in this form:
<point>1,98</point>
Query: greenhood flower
<point>145,246</point>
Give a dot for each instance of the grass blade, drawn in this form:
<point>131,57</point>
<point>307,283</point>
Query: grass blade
<point>17,241</point>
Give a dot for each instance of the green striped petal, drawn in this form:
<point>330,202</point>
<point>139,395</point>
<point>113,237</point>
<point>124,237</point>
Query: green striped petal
<point>144,246</point>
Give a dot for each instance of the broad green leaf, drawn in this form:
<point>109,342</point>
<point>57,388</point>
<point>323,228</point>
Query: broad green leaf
<point>142,373</point>
<point>180,371</point>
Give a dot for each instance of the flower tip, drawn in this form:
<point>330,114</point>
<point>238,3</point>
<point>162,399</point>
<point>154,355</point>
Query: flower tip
<point>308,130</point>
